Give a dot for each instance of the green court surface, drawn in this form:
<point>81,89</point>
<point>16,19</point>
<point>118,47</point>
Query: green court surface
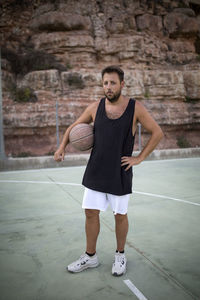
<point>42,231</point>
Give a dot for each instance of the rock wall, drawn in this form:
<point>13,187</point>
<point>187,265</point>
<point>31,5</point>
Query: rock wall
<point>55,50</point>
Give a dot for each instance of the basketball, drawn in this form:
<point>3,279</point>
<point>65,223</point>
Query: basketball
<point>81,136</point>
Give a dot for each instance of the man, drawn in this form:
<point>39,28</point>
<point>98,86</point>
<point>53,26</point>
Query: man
<point>108,175</point>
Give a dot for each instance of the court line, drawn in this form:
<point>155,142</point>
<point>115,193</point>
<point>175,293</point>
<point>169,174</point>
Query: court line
<point>166,197</point>
<point>168,160</point>
<point>41,170</point>
<point>164,273</point>
<point>78,184</point>
<point>135,290</point>
<point>40,182</point>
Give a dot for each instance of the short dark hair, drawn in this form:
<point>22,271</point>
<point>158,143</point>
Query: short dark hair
<point>114,69</point>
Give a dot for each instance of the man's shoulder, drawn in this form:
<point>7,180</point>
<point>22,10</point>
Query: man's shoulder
<point>92,109</point>
<point>93,106</point>
<point>138,106</point>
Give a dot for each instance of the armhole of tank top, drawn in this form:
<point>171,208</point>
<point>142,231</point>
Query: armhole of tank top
<point>98,108</point>
<point>133,114</point>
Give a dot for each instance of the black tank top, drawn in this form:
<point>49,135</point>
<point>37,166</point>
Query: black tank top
<point>112,139</point>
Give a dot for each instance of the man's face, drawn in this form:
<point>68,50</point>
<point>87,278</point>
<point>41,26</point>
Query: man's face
<point>112,86</point>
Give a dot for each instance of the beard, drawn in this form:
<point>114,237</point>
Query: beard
<point>114,97</point>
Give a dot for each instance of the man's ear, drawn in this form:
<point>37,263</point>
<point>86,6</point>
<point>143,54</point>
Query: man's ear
<point>122,84</point>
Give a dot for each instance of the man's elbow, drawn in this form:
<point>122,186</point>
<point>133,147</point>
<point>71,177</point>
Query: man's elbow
<point>159,134</point>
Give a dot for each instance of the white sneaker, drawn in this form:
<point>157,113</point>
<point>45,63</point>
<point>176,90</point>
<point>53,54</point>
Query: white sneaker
<point>84,262</point>
<point>119,266</point>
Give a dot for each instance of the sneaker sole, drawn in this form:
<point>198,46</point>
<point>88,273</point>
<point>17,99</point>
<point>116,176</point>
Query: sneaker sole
<point>83,268</point>
<point>118,275</point>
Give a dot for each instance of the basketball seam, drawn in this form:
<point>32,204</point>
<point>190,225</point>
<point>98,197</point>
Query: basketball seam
<point>72,141</point>
<point>74,129</point>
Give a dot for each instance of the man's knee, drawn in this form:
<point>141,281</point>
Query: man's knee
<point>91,213</point>
<point>120,218</point>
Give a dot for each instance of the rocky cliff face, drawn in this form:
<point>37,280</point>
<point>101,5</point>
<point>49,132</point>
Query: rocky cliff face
<point>55,50</point>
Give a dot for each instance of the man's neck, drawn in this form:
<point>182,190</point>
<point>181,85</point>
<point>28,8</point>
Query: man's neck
<point>119,101</point>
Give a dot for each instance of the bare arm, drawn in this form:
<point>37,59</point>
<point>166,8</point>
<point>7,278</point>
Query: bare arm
<point>86,117</point>
<point>143,116</point>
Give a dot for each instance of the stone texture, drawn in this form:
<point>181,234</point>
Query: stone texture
<point>164,84</point>
<point>60,21</point>
<point>165,112</point>
<point>192,84</point>
<point>155,42</point>
<point>120,24</point>
<point>134,84</point>
<point>8,81</point>
<point>180,25</point>
<point>42,80</point>
<point>149,22</point>
<point>186,11</point>
<point>62,41</point>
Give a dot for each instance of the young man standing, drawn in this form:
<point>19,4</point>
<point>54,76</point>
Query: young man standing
<point>108,175</point>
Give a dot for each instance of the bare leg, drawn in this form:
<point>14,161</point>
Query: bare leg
<point>92,228</point>
<point>121,229</point>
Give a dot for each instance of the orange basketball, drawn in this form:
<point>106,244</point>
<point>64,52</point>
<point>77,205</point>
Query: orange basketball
<point>81,136</point>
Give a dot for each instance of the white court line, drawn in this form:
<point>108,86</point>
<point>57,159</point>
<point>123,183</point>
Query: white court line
<point>166,197</point>
<point>135,290</point>
<point>78,184</point>
<point>40,182</point>
<point>42,170</point>
<point>168,160</point>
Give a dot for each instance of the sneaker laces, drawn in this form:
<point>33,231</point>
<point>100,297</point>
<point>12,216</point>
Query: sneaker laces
<point>119,258</point>
<point>83,257</point>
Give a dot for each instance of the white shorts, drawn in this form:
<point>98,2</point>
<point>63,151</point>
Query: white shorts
<point>100,201</point>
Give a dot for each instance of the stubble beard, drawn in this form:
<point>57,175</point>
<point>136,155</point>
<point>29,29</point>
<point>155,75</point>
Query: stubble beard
<point>113,98</point>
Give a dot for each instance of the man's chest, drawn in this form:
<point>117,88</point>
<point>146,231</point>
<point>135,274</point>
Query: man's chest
<point>114,112</point>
